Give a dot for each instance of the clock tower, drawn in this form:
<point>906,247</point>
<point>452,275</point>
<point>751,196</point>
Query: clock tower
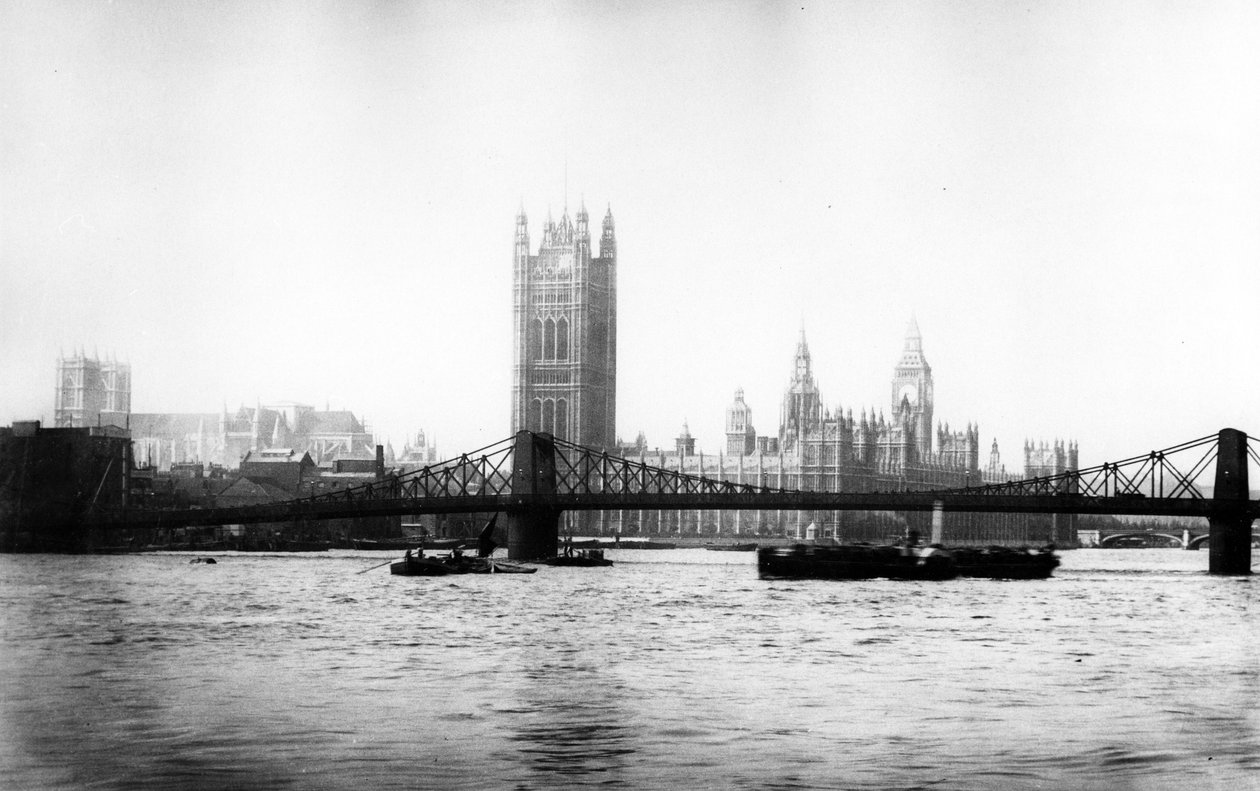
<point>912,389</point>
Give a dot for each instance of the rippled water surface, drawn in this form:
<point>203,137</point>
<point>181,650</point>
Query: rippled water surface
<point>1130,669</point>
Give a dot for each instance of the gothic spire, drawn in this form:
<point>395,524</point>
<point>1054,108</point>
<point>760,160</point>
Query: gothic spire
<point>801,370</point>
<point>914,339</point>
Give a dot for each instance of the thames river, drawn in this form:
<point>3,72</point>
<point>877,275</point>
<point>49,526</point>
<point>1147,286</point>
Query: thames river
<point>680,669</point>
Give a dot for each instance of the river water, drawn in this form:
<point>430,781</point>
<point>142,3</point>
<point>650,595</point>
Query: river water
<point>1130,669</point>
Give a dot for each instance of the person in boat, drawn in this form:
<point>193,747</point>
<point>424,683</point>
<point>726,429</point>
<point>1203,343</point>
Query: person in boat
<point>908,542</point>
<point>568,546</point>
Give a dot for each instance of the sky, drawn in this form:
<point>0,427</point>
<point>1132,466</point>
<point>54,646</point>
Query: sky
<point>296,201</point>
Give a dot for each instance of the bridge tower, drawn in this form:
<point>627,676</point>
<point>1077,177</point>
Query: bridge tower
<point>533,526</point>
<point>564,375</point>
<point>1229,542</point>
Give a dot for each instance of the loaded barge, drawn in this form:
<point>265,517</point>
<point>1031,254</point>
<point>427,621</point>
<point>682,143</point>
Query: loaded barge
<point>907,562</point>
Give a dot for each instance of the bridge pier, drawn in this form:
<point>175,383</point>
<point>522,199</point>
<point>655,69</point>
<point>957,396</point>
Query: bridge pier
<point>1229,541</point>
<point>532,533</point>
<point>533,525</point>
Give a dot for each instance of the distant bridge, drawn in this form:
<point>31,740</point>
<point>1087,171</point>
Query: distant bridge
<point>533,478</point>
<point>1186,539</point>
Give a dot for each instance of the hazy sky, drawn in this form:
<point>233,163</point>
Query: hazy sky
<point>314,202</point>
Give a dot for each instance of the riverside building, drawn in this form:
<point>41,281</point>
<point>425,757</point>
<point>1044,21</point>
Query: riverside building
<point>95,392</point>
<point>820,448</point>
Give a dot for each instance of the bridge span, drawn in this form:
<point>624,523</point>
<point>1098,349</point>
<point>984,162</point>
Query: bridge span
<point>534,478</point>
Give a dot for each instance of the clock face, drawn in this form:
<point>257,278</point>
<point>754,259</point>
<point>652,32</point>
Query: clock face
<point>909,392</point>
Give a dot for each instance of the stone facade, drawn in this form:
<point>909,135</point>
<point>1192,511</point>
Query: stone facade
<point>818,448</point>
<point>163,438</point>
<point>564,375</point>
<point>91,392</point>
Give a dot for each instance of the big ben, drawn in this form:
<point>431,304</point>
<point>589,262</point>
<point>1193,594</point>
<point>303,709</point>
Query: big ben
<point>564,374</point>
<point>912,389</point>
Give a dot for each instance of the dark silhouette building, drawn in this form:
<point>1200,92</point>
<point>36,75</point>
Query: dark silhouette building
<point>53,479</point>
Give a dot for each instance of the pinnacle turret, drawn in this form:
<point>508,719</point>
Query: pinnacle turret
<point>608,239</point>
<point>801,370</point>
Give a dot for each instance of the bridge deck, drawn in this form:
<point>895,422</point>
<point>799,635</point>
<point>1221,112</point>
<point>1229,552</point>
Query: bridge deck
<point>787,501</point>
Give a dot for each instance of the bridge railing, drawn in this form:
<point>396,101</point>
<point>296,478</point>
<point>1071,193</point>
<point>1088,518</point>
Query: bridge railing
<point>580,470</point>
<point>1151,475</point>
<point>484,478</point>
<point>486,471</point>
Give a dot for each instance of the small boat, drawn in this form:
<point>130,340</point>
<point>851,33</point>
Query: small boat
<point>203,560</point>
<point>384,543</point>
<point>454,564</point>
<point>448,543</point>
<point>408,543</point>
<point>424,567</point>
<point>501,567</point>
<point>1005,562</point>
<point>856,562</point>
<point>730,547</point>
<point>458,563</point>
<point>580,557</point>
<point>642,544</point>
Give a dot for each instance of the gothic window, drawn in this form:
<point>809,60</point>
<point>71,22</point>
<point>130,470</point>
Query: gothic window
<point>535,339</point>
<point>549,340</point>
<point>535,415</point>
<point>562,339</point>
<point>549,416</point>
<point>562,417</point>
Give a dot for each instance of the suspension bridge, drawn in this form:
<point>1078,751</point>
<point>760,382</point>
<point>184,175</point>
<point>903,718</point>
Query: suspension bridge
<point>533,478</point>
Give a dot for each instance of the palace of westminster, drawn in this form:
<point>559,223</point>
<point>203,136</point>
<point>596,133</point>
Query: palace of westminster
<point>564,382</point>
